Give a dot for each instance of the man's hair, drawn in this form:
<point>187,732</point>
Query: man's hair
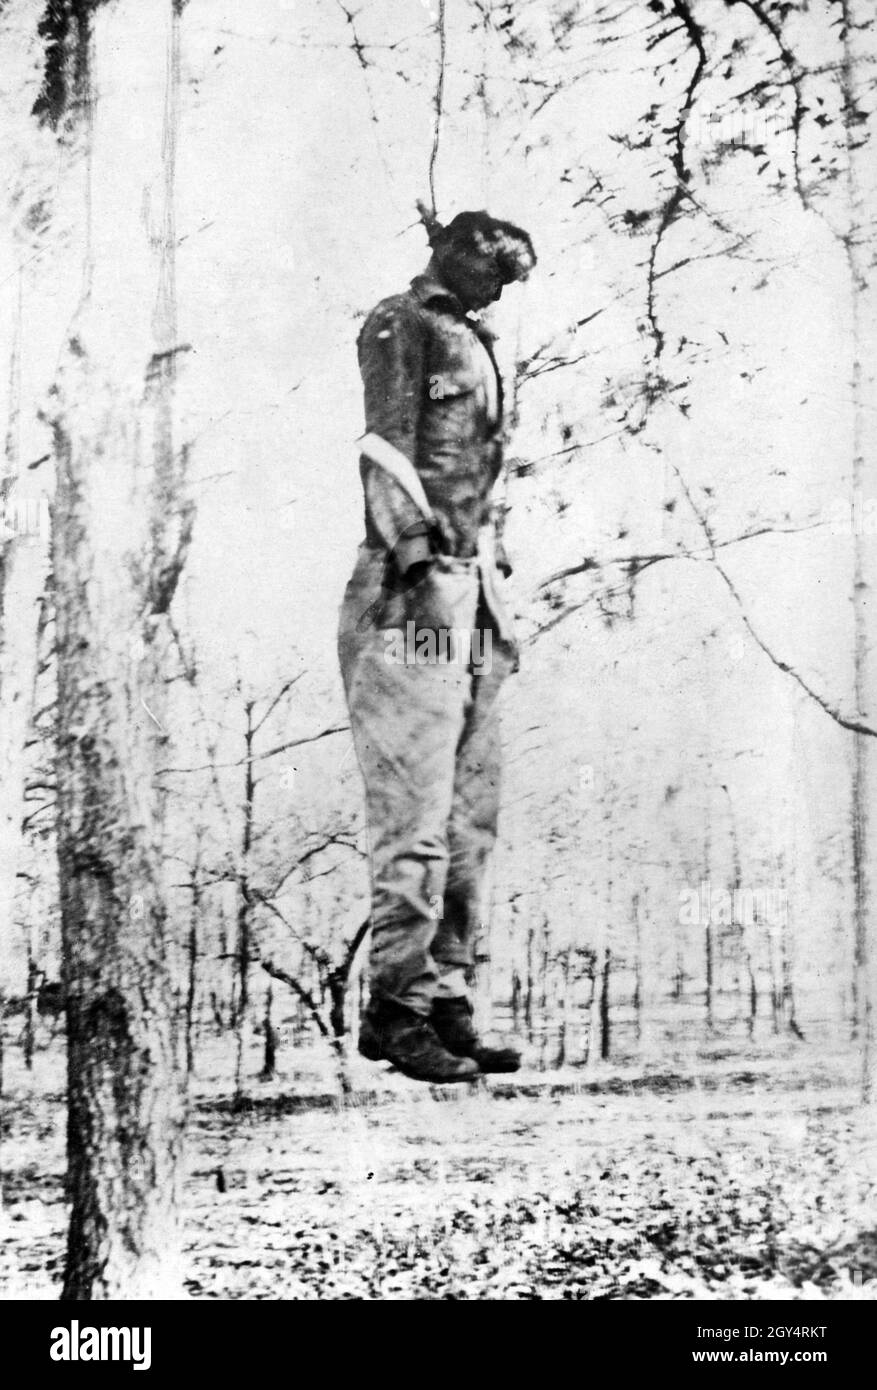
<point>509,246</point>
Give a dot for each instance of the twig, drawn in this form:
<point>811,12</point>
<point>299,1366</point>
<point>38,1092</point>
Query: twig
<point>277,973</point>
<point>259,757</point>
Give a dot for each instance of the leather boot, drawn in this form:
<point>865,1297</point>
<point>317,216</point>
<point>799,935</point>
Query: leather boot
<point>395,1034</point>
<point>452,1021</point>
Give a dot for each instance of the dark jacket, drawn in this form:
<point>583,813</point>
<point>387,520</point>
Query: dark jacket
<point>433,391</point>
<point>433,399</point>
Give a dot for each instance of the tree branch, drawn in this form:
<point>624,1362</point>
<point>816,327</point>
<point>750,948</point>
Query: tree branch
<point>304,995</point>
<point>260,757</point>
<point>796,79</point>
<point>276,701</point>
<point>671,207</point>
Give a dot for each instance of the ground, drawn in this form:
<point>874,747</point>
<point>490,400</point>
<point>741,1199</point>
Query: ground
<point>727,1181</point>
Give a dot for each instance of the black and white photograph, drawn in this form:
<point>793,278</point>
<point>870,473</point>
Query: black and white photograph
<point>438,660</point>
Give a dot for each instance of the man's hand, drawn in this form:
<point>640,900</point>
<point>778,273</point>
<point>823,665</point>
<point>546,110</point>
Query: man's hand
<point>503,563</point>
<point>416,573</point>
<point>415,597</point>
<point>413,552</point>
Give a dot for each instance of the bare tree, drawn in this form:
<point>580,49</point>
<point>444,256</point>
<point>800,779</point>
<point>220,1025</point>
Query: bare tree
<point>120,535</point>
<point>23,556</point>
<point>857,26</point>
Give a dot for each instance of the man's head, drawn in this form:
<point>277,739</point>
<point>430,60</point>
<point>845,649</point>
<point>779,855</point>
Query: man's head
<point>477,255</point>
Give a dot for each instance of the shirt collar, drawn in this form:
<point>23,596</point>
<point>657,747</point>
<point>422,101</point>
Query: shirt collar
<point>427,288</point>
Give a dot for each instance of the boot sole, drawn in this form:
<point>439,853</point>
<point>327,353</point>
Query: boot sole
<point>374,1054</point>
<point>437,1080</point>
<point>507,1062</point>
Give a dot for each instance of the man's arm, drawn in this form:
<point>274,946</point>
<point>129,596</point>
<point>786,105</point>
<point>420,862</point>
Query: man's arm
<point>392,362</point>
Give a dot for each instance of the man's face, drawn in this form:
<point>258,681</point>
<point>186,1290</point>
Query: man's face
<point>472,275</point>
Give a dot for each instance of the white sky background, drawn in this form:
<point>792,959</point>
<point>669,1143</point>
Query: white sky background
<point>306,202</point>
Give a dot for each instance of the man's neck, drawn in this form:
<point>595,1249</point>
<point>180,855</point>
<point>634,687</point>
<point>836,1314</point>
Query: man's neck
<point>434,272</point>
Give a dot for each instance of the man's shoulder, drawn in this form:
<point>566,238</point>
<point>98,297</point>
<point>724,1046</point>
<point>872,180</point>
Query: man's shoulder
<point>398,312</point>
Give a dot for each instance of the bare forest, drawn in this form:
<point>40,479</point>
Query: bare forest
<point>201,202</point>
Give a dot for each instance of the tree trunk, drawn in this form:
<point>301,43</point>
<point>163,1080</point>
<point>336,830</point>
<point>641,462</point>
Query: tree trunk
<point>605,1020</point>
<point>23,562</point>
<point>745,928</point>
<point>31,1001</point>
<point>241,1014</point>
<point>753,998</point>
<point>515,999</point>
<point>192,944</point>
<point>708,937</point>
<point>120,535</point>
<point>337,983</point>
<point>562,1054</point>
<point>269,1061</point>
<point>544,971</point>
<point>528,997</point>
<point>638,966</point>
<point>776,977</point>
<point>589,957</point>
<point>856,20</point>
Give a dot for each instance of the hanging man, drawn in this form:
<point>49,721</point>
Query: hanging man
<point>425,644</point>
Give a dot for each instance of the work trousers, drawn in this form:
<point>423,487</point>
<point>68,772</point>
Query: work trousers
<point>426,733</point>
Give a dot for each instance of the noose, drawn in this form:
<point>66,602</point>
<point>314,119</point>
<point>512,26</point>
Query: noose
<point>430,221</point>
<point>439,97</point>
